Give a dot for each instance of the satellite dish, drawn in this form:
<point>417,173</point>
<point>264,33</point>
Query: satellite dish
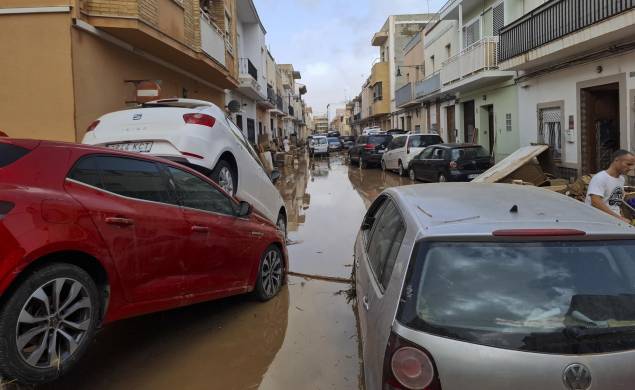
<point>234,106</point>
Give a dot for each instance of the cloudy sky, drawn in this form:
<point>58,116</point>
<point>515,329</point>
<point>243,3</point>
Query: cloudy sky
<point>328,41</point>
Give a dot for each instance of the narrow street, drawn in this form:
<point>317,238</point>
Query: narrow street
<point>305,338</point>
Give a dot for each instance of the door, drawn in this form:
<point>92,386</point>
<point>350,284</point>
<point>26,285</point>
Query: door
<point>491,132</point>
<point>136,213</point>
<point>219,246</point>
<point>469,122</point>
<point>419,163</point>
<point>390,154</point>
<point>377,265</point>
<point>251,130</point>
<point>449,112</point>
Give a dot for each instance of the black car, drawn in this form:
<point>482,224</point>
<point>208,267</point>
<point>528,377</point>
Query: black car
<point>348,141</point>
<point>335,145</point>
<point>450,162</point>
<point>368,149</point>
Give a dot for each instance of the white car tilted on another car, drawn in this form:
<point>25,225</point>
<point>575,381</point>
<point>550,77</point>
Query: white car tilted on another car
<point>403,148</point>
<point>198,134</point>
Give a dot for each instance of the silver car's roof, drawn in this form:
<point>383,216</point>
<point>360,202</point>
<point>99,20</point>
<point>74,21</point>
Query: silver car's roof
<point>465,209</point>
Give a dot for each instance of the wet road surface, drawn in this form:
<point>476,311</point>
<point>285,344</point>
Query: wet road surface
<point>305,338</point>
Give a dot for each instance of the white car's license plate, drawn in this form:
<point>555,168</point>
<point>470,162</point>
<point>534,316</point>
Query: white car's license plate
<point>139,147</point>
<point>474,176</point>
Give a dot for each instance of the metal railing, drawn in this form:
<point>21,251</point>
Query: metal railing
<point>403,95</point>
<point>212,39</point>
<point>481,55</point>
<point>554,20</point>
<point>431,84</point>
<point>247,68</point>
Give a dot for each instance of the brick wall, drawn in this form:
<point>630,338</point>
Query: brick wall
<point>111,7</point>
<point>149,11</point>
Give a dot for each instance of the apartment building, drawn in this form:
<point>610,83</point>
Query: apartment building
<point>410,112</point>
<point>576,72</point>
<point>252,72</point>
<point>79,59</point>
<point>291,99</point>
<point>321,123</point>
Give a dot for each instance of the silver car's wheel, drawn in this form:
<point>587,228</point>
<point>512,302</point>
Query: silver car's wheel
<point>226,180</point>
<point>411,174</point>
<point>271,275</point>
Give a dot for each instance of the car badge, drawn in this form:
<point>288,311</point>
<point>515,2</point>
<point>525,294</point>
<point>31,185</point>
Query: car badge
<point>577,377</point>
<point>136,117</point>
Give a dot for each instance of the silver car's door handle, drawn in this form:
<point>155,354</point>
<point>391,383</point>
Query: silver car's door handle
<point>365,303</point>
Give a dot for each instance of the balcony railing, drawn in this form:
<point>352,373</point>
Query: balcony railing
<point>247,68</point>
<point>554,20</point>
<point>429,85</point>
<point>403,95</point>
<point>479,56</point>
<point>212,39</point>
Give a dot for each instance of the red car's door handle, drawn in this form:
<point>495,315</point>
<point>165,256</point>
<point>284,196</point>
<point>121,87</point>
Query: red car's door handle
<point>200,229</point>
<point>119,221</point>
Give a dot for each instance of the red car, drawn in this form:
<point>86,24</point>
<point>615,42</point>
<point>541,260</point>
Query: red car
<point>92,235</point>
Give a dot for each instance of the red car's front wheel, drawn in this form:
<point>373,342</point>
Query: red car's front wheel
<point>270,274</point>
<point>47,323</point>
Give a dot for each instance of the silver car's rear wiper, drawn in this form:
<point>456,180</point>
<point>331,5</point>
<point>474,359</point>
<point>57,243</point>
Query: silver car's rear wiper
<point>585,332</point>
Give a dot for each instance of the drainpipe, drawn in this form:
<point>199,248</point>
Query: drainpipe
<point>460,35</point>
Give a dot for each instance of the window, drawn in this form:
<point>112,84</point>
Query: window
<point>87,172</point>
<point>432,63</point>
<point>426,154</point>
<point>371,216</point>
<point>448,50</point>
<point>419,141</point>
<point>471,33</point>
<point>10,154</point>
<point>525,296</point>
<point>377,91</point>
<point>437,154</point>
<point>385,242</point>
<point>499,18</point>
<point>134,179</point>
<point>197,194</point>
<point>508,122</point>
<point>550,130</point>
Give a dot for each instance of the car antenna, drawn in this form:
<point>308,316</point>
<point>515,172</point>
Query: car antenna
<point>514,209</point>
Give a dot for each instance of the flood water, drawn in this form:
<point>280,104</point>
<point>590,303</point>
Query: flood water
<point>305,338</point>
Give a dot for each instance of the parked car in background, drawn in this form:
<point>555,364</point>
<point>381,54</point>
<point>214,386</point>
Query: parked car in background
<point>368,149</point>
<point>335,144</point>
<point>333,133</point>
<point>395,132</point>
<point>197,134</point>
<point>450,162</point>
<point>319,145</point>
<point>101,235</point>
<point>372,130</point>
<point>403,148</point>
<point>519,278</point>
<point>348,141</point>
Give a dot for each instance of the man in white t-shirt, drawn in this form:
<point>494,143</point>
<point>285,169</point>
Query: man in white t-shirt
<point>606,189</point>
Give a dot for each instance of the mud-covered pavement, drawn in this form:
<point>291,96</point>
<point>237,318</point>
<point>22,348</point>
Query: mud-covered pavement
<point>306,338</point>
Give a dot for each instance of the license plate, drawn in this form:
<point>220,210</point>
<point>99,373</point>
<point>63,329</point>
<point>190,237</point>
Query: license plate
<point>139,147</point>
<point>474,176</point>
<point>380,151</point>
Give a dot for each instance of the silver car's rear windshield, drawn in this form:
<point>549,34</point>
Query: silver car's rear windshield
<point>550,297</point>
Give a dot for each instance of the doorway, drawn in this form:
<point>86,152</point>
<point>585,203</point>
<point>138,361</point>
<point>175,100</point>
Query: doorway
<point>251,130</point>
<point>239,122</point>
<point>469,122</point>
<point>600,126</point>
<point>449,114</point>
<point>487,124</point>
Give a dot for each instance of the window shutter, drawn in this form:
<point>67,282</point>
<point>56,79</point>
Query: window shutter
<point>499,18</point>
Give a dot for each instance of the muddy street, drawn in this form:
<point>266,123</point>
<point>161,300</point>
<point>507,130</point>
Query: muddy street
<point>305,338</point>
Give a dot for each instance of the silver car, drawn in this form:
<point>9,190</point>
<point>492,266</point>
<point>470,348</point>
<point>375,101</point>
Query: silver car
<point>494,287</point>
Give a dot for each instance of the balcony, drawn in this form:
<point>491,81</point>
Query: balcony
<point>553,31</point>
<point>428,86</point>
<point>212,39</point>
<point>249,85</point>
<point>403,96</point>
<point>474,67</point>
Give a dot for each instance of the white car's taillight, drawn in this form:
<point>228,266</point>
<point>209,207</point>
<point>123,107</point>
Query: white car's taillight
<point>92,126</point>
<point>199,119</point>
